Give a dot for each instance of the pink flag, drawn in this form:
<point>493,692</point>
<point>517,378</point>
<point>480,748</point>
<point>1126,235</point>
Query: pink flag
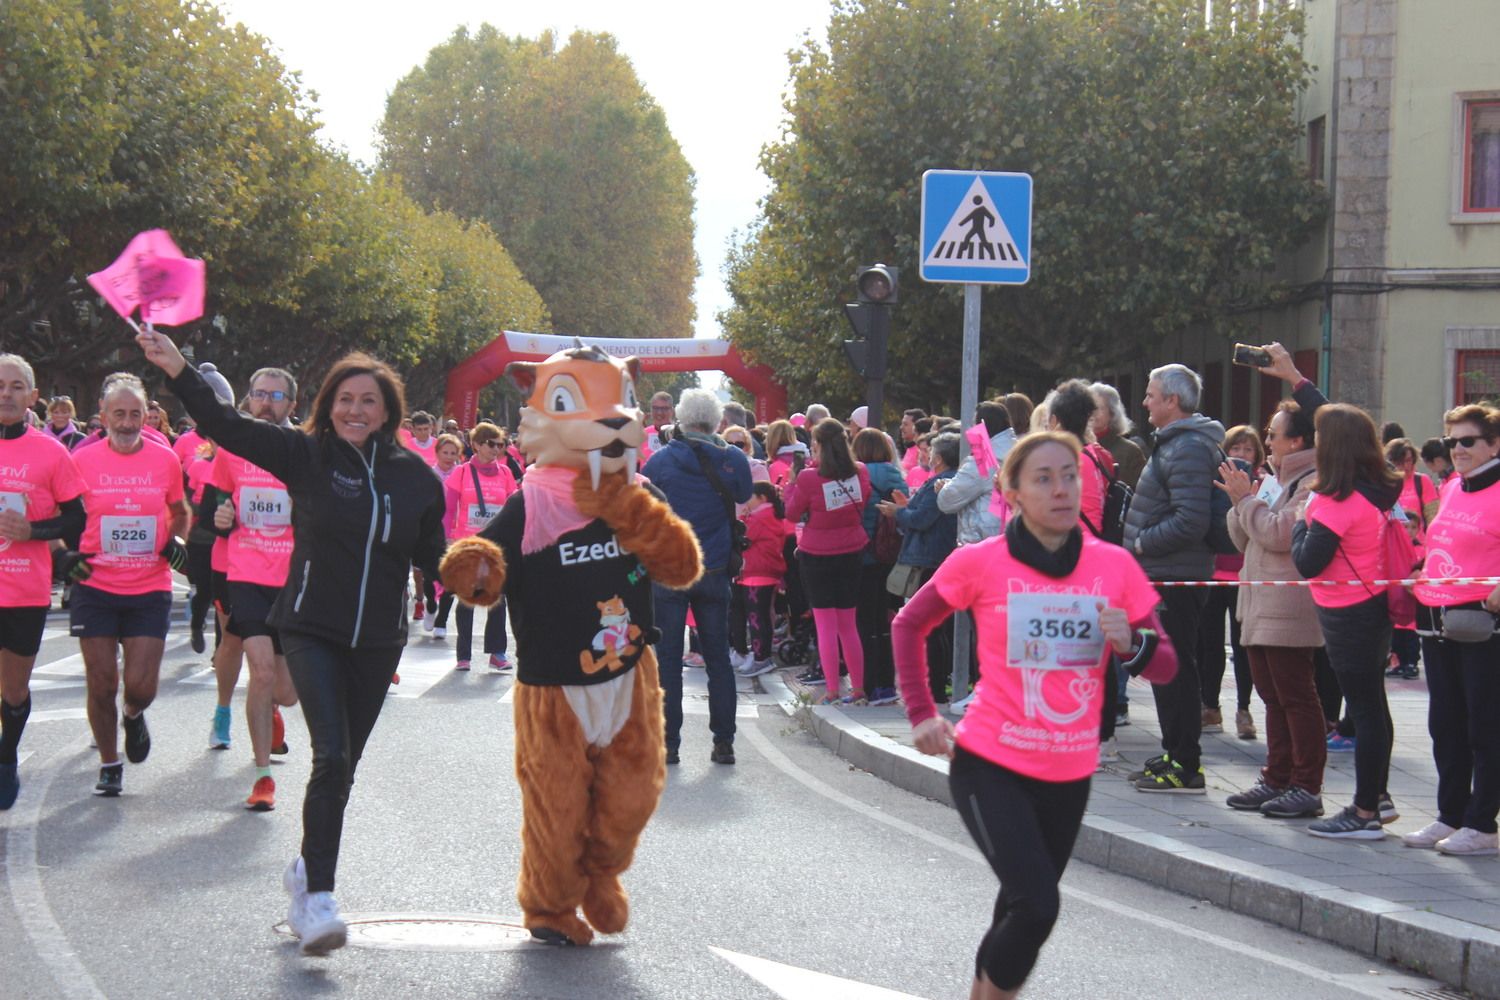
<point>171,289</point>
<point>153,275</point>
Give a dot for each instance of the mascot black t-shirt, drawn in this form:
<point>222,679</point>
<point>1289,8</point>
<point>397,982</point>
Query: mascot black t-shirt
<point>581,607</point>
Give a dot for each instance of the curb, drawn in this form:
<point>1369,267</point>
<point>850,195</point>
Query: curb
<point>1442,947</point>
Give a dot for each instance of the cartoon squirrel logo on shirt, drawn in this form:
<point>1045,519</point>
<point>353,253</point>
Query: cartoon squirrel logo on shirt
<point>614,641</point>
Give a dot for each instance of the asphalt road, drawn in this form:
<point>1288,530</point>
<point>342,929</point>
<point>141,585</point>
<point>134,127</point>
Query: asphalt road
<point>788,875</point>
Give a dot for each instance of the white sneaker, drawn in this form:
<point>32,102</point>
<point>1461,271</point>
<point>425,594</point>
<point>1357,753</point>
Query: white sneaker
<point>740,661</point>
<point>758,667</point>
<point>1468,842</point>
<point>1429,835</point>
<point>322,929</point>
<point>961,706</point>
<point>438,632</point>
<point>427,625</point>
<point>1109,751</point>
<point>294,881</point>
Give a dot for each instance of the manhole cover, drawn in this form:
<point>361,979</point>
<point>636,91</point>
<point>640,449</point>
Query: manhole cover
<point>431,932</point>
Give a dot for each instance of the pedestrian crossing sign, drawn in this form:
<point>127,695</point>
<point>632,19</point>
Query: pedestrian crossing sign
<point>976,227</point>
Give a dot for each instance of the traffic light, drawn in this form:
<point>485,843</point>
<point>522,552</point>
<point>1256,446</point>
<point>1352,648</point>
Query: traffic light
<point>876,288</point>
<point>877,283</point>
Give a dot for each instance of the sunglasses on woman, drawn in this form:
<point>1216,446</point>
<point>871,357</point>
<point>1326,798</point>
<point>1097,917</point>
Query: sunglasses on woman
<point>1468,441</point>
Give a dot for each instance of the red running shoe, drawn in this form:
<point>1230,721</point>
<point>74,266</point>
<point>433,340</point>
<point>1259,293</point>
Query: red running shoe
<point>278,731</point>
<point>263,795</point>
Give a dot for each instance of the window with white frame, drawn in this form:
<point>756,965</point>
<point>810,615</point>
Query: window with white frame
<point>1481,156</point>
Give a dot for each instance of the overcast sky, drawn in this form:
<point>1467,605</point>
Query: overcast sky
<point>718,71</point>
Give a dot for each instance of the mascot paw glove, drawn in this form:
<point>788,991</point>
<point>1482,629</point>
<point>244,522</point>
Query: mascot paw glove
<point>474,571</point>
<point>599,502</point>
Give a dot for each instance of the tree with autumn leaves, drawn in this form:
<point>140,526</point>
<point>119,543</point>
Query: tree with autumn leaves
<point>1164,148</point>
<point>121,117</point>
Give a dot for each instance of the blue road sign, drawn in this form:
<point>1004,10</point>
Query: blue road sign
<point>976,227</point>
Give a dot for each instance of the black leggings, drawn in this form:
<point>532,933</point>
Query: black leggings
<point>1357,638</point>
<point>1025,828</point>
<point>341,691</point>
<point>200,573</point>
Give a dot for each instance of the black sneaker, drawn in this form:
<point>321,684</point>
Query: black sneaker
<point>1252,800</point>
<point>1153,765</point>
<point>672,756</point>
<point>1387,809</point>
<point>137,739</point>
<point>1176,779</point>
<point>812,677</point>
<point>1409,672</point>
<point>197,639</point>
<point>111,780</point>
<point>723,753</point>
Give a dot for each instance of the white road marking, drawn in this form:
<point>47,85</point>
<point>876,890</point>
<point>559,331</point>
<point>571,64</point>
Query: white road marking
<point>23,874</point>
<point>1363,984</point>
<point>421,667</point>
<point>792,983</point>
<point>58,714</point>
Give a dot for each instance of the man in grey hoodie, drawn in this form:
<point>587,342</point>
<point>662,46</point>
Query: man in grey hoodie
<point>1167,530</point>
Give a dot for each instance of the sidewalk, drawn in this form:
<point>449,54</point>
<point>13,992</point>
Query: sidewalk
<point>1436,914</point>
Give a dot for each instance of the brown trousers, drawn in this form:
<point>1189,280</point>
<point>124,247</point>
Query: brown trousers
<point>1296,747</point>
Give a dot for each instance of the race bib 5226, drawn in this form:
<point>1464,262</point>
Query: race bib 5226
<point>128,536</point>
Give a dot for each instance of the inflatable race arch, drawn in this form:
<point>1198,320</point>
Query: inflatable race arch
<point>471,376</point>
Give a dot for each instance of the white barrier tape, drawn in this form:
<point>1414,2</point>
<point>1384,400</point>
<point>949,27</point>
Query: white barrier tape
<point>1445,580</point>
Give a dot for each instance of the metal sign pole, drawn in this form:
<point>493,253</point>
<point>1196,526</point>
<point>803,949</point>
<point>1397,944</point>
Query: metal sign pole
<point>963,636</point>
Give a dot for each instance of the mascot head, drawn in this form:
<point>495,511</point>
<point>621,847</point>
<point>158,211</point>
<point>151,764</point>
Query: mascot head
<point>580,411</point>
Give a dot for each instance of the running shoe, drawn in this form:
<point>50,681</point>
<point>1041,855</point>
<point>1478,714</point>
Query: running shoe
<point>420,612</point>
<point>1213,720</point>
<point>1122,718</point>
<point>396,678</point>
<point>961,706</point>
<point>722,753</point>
<point>1174,780</point>
<point>673,757</point>
<point>196,639</point>
<point>1109,751</point>
<point>1429,835</point>
<point>111,780</point>
<point>10,785</point>
<point>218,733</point>
<point>1153,765</point>
<point>1409,672</point>
<point>1348,825</point>
<point>263,795</point>
<point>1387,810</point>
<point>1467,842</point>
<point>1244,724</point>
<point>319,925</point>
<point>1252,799</point>
<point>137,739</point>
<point>692,660</point>
<point>427,624</point>
<point>1294,803</point>
<point>740,661</point>
<point>812,677</point>
<point>1340,744</point>
<point>462,666</point>
<point>758,667</point>
<point>855,697</point>
<point>500,664</point>
<point>438,632</point>
<point>278,732</point>
<point>884,696</point>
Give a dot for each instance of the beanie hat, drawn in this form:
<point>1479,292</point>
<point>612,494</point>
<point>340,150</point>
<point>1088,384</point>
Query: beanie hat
<point>218,383</point>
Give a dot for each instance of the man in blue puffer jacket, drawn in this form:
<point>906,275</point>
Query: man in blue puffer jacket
<point>678,470</point>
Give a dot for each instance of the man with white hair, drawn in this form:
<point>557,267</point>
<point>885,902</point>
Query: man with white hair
<point>702,479</point>
<point>1167,528</point>
<point>816,412</point>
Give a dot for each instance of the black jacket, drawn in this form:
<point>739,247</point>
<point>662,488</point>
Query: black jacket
<point>362,520</point>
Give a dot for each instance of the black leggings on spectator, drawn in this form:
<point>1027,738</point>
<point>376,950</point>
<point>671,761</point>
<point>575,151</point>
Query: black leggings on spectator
<point>1357,638</point>
<point>341,691</point>
<point>1025,828</point>
<point>872,613</point>
<point>1219,603</point>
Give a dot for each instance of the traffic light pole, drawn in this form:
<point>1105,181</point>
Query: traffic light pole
<point>880,332</point>
<point>963,633</point>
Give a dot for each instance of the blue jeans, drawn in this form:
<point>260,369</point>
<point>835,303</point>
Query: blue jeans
<point>709,599</point>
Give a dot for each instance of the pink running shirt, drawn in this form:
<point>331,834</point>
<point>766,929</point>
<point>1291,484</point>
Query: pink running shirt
<point>260,546</point>
<point>1360,526</point>
<point>1043,723</point>
<point>1463,540</point>
<point>127,499</point>
<point>36,475</point>
<point>467,519</point>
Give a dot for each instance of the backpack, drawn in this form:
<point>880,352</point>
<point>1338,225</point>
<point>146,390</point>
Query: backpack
<point>1117,497</point>
<point>1401,558</point>
<point>1219,506</point>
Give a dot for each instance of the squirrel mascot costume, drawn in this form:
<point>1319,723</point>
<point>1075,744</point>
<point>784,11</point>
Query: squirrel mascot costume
<point>576,551</point>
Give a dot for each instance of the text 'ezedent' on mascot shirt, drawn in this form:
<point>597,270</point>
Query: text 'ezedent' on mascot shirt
<point>581,607</point>
<point>260,546</point>
<point>36,476</point>
<point>1040,721</point>
<point>126,497</point>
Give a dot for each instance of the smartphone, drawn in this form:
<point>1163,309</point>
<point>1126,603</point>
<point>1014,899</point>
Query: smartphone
<point>1251,357</point>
